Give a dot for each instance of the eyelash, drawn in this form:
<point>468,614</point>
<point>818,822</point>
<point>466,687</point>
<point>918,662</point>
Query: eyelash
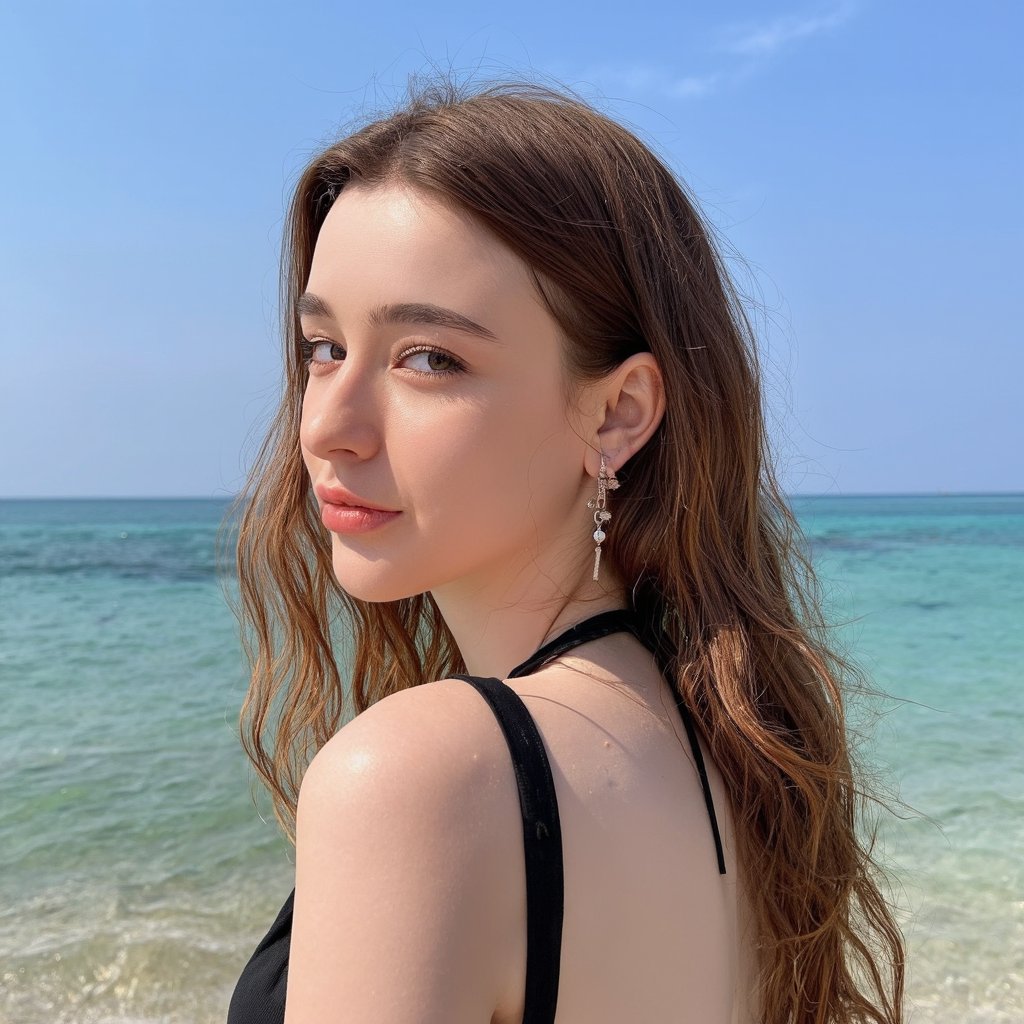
<point>308,345</point>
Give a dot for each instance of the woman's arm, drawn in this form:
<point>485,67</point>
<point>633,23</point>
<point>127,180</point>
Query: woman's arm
<point>396,918</point>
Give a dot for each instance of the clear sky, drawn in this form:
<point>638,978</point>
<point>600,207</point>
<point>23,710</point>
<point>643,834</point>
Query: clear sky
<point>863,157</point>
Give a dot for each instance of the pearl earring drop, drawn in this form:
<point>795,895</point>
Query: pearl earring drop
<point>605,482</point>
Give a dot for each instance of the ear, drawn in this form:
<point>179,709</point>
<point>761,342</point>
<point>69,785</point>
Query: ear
<point>627,407</point>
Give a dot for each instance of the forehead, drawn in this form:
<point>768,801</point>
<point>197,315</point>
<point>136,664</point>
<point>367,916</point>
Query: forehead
<point>392,243</point>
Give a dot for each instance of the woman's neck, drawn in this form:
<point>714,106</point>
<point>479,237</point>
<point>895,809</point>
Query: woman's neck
<point>495,636</point>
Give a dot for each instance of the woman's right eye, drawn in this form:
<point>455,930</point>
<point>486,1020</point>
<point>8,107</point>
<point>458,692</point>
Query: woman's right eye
<point>319,350</point>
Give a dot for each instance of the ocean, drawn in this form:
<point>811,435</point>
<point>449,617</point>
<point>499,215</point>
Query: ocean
<point>138,870</point>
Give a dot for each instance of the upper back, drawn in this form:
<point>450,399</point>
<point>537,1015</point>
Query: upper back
<point>411,898</point>
<point>651,930</point>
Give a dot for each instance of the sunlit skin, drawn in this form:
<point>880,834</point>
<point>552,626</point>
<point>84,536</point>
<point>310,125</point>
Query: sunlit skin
<point>410,891</point>
<point>490,471</point>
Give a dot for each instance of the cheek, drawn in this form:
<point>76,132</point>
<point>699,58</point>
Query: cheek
<point>493,472</point>
<point>309,460</point>
<point>307,455</point>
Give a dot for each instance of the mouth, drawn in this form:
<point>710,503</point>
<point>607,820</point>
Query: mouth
<point>338,518</point>
<point>341,498</point>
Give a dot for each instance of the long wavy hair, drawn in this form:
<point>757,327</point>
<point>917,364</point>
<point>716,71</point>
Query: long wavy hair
<point>704,538</point>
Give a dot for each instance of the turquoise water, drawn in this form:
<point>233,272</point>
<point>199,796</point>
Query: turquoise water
<point>136,873</point>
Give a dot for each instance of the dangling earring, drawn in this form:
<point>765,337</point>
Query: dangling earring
<point>605,482</point>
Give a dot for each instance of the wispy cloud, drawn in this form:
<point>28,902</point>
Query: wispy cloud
<point>693,85</point>
<point>647,78</point>
<point>740,49</point>
<point>756,40</point>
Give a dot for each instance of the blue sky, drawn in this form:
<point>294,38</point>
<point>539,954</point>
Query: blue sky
<point>863,158</point>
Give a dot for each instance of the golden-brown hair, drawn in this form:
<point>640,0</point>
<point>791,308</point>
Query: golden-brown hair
<point>704,539</point>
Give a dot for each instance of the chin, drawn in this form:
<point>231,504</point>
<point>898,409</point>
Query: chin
<point>373,582</point>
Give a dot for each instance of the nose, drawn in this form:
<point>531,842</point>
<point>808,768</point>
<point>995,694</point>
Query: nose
<point>341,413</point>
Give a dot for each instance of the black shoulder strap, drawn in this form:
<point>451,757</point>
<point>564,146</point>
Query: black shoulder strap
<point>655,640</point>
<point>705,785</point>
<point>542,840</point>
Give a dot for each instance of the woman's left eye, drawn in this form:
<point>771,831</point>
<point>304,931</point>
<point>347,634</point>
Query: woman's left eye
<point>434,356</point>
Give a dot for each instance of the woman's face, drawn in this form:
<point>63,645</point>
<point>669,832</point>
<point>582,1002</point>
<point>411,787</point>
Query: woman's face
<point>434,391</point>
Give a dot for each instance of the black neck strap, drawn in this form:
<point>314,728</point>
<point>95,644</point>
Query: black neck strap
<point>626,620</point>
<point>596,626</point>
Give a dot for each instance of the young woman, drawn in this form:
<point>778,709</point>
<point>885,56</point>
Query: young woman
<point>597,769</point>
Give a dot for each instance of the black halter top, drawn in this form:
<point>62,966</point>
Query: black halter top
<point>259,995</point>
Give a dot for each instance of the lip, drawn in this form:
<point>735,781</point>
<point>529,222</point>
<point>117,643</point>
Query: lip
<point>338,495</point>
<point>351,519</point>
<point>342,511</point>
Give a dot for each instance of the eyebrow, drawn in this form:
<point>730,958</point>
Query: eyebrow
<point>312,305</point>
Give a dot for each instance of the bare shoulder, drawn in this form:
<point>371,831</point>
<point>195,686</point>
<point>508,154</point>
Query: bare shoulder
<point>434,740</point>
<point>400,850</point>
